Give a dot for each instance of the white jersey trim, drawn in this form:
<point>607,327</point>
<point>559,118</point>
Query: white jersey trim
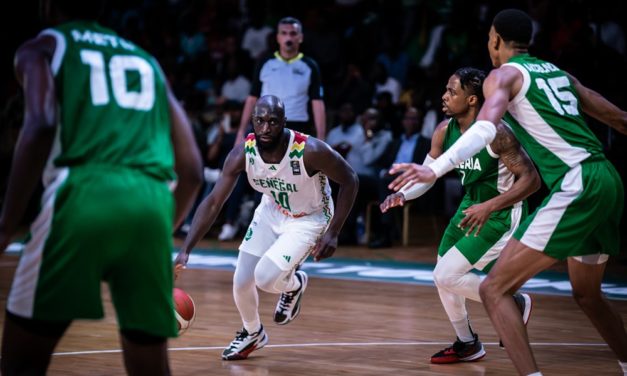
<point>525,85</point>
<point>491,152</point>
<point>541,229</point>
<point>545,135</point>
<point>497,248</point>
<point>505,178</point>
<point>59,51</point>
<point>22,296</point>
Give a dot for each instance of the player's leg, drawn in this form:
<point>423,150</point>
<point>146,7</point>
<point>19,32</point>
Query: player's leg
<point>144,354</point>
<point>245,291</point>
<point>278,272</point>
<point>452,273</point>
<point>252,336</point>
<point>516,265</point>
<point>455,283</point>
<point>137,265</point>
<point>586,276</point>
<point>28,344</point>
<point>467,347</point>
<point>599,217</point>
<point>54,282</point>
<point>559,228</point>
<point>259,237</point>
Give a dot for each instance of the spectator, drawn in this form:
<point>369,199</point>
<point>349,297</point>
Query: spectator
<point>384,82</point>
<point>354,89</point>
<point>236,86</point>
<point>409,147</point>
<point>256,36</point>
<point>367,160</point>
<point>348,134</point>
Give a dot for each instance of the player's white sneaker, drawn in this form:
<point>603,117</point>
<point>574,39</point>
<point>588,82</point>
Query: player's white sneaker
<point>288,306</point>
<point>245,343</point>
<point>228,232</point>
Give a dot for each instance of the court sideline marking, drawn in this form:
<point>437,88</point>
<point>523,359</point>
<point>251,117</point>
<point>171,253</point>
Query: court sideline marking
<point>337,344</point>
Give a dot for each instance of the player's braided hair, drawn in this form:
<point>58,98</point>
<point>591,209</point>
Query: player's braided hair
<point>471,81</point>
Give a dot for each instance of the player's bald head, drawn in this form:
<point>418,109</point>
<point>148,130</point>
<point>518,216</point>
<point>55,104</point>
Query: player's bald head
<point>269,105</point>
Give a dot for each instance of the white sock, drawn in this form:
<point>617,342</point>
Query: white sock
<point>535,374</point>
<point>623,366</point>
<point>463,330</point>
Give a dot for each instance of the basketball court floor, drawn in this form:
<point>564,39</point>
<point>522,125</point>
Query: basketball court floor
<point>365,312</point>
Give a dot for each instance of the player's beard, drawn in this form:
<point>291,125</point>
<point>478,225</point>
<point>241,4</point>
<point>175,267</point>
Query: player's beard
<point>269,145</point>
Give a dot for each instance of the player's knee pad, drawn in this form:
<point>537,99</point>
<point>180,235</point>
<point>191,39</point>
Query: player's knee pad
<point>140,337</point>
<point>244,276</point>
<point>443,277</point>
<point>268,275</point>
<point>243,279</point>
<point>44,328</point>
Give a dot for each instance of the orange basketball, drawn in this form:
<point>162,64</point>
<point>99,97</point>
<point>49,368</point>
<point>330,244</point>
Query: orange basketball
<point>184,309</point>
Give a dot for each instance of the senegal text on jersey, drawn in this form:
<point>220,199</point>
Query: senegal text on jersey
<point>276,183</point>
<point>100,39</point>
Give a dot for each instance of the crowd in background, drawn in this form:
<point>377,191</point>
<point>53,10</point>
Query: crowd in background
<point>390,56</point>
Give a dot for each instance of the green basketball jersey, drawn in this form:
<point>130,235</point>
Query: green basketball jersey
<point>483,175</point>
<point>547,119</point>
<point>112,100</point>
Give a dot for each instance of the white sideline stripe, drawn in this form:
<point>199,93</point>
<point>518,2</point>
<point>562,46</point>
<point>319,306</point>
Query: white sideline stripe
<point>337,344</point>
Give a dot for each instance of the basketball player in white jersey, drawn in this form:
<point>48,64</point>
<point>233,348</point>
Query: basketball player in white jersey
<point>294,219</point>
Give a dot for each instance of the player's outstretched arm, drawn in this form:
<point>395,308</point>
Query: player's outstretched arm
<point>319,157</point>
<point>37,135</point>
<point>409,179</point>
<point>188,163</point>
<point>210,207</point>
<point>595,105</point>
<point>499,87</point>
<point>527,181</point>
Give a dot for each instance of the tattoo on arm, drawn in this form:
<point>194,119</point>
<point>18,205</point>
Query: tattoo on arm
<point>511,153</point>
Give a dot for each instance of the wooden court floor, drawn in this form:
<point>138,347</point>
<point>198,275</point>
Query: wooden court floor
<point>345,328</point>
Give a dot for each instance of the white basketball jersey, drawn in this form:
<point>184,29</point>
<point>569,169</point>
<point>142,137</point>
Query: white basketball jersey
<point>286,185</point>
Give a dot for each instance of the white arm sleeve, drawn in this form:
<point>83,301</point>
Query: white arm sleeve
<point>480,134</point>
<point>418,189</point>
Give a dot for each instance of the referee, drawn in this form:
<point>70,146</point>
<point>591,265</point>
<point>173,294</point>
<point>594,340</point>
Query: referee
<point>292,77</point>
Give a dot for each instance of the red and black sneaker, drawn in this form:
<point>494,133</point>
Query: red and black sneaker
<point>460,352</point>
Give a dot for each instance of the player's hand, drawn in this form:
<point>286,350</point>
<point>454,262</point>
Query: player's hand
<point>392,201</point>
<point>180,263</point>
<point>410,173</point>
<point>325,247</point>
<point>476,216</point>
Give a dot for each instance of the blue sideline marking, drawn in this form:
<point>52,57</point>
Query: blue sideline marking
<point>550,283</point>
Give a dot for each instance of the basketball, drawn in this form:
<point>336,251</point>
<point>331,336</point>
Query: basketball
<point>184,310</point>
